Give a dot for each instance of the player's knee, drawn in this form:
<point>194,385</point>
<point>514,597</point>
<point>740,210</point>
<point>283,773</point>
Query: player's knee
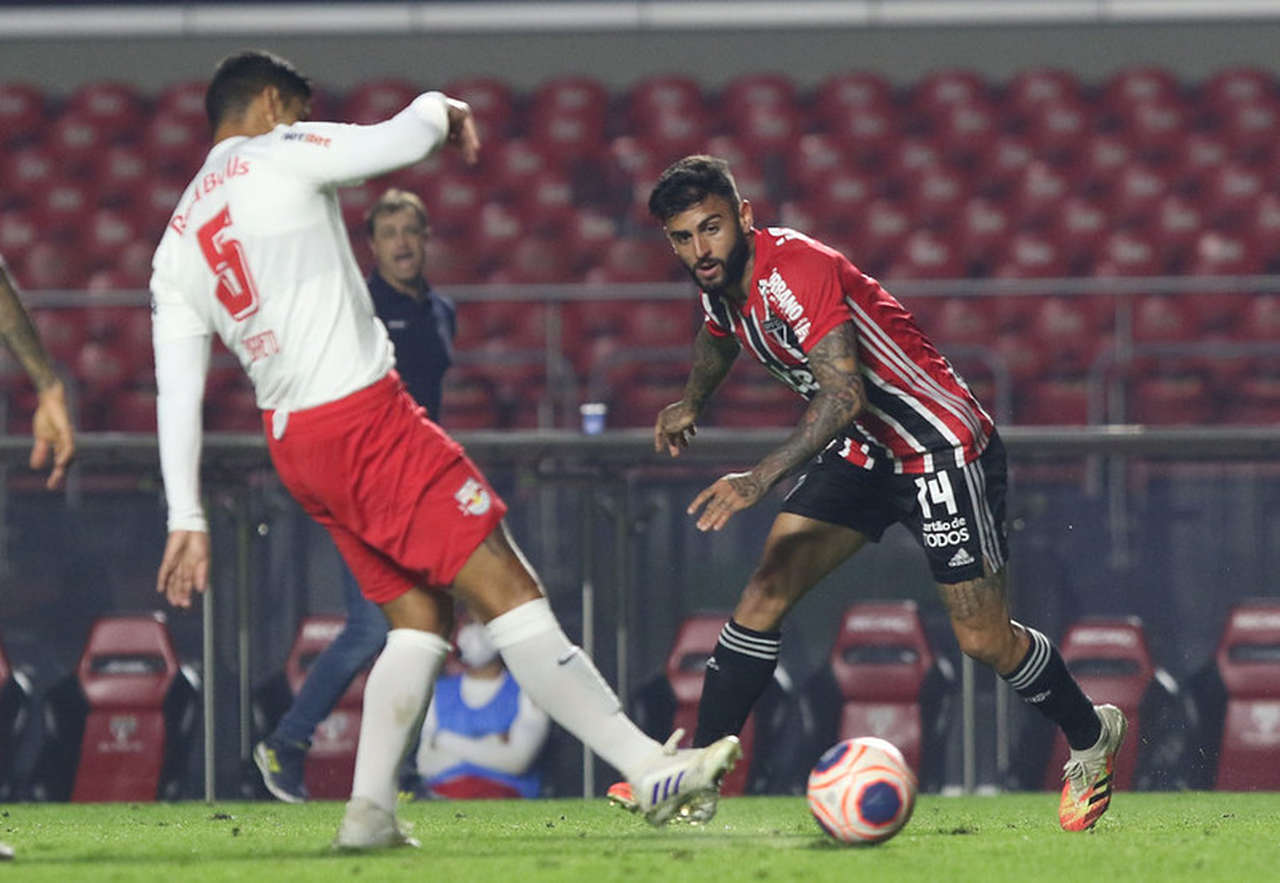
<point>989,646</point>
<point>763,604</point>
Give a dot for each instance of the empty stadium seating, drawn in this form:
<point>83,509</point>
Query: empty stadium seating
<point>952,175</point>
<point>1248,661</point>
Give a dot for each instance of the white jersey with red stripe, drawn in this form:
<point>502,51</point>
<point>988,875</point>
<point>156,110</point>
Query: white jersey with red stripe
<point>257,251</point>
<point>919,415</point>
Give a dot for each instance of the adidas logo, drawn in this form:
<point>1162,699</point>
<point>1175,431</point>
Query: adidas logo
<point>960,558</point>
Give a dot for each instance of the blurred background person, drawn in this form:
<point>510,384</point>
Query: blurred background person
<point>422,325</point>
<point>482,736</point>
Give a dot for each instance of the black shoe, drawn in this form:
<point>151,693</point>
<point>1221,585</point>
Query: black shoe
<point>281,766</point>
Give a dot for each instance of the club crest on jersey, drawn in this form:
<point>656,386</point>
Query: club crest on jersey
<point>472,498</point>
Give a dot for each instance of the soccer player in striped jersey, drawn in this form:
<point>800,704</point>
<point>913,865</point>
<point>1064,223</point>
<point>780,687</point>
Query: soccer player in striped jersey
<point>891,435</point>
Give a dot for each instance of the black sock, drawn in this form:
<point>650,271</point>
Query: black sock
<point>738,671</point>
<point>1043,681</point>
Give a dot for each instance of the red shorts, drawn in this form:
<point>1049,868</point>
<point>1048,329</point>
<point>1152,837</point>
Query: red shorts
<point>404,504</point>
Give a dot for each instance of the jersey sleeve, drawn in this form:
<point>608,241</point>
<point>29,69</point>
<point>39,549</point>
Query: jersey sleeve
<point>338,153</point>
<point>715,318</point>
<point>825,305</point>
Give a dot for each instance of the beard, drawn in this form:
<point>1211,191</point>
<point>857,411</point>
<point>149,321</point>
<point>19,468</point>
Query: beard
<point>732,267</point>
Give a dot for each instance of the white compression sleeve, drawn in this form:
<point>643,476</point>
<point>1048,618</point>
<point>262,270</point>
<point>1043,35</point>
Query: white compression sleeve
<point>564,682</point>
<point>181,365</point>
<point>395,698</point>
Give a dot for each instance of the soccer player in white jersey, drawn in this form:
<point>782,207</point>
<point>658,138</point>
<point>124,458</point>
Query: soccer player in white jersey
<point>256,251</point>
<point>898,438</point>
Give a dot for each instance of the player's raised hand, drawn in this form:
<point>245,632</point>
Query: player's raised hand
<point>185,567</point>
<point>462,130</point>
<point>51,427</point>
<point>675,427</point>
<point>730,493</point>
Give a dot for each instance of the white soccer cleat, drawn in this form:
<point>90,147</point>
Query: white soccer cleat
<point>620,793</point>
<point>687,784</point>
<point>365,825</point>
<point>1088,774</point>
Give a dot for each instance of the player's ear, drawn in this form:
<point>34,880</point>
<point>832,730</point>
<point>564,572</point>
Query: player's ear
<point>746,215</point>
<point>273,105</point>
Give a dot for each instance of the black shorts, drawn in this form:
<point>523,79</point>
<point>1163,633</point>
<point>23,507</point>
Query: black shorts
<point>955,514</point>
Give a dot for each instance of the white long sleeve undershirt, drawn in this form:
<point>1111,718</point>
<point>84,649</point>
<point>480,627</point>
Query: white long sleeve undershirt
<point>181,365</point>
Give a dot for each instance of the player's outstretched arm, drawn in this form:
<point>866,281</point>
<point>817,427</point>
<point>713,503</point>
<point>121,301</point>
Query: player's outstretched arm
<point>834,363</point>
<point>51,425</point>
<point>712,358</point>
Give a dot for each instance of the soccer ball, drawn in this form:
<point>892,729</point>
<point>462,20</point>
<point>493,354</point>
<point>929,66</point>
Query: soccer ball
<point>861,791</point>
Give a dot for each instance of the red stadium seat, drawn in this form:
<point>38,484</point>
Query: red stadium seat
<point>1238,85</point>
<point>943,89</point>
<point>981,228</point>
<point>1262,223</point>
<point>586,235</point>
<point>567,138</point>
<point>22,112</point>
<point>1154,127</point>
<point>232,409</point>
<point>1140,85</point>
<point>547,201</point>
<point>1031,256</point>
<point>185,100</point>
<point>936,194</point>
<point>132,410</point>
<point>75,141</point>
<point>1102,159</point>
<point>491,102</point>
<point>882,662</point>
<point>1249,665</point>
<point>1035,87</point>
<point>377,100</point>
<point>106,234</point>
<point>1173,400</point>
<point>869,134</point>
<point>1217,253</point>
<point>1110,659</point>
<point>1079,228</point>
<point>175,145</point>
<point>841,95</point>
<point>671,134</point>
<point>963,321</point>
<point>1026,360</point>
<point>1175,225</point>
<point>651,97</point>
<point>1039,192</point>
<point>756,399</point>
<point>1136,192</point>
<point>757,90</point>
<point>1251,128</point>
<point>468,400</point>
<point>879,233</point>
<point>63,332</point>
<point>841,197</point>
<point>48,266</point>
<point>1125,253</point>
<point>513,162</point>
<point>926,255</point>
<point>1071,331</point>
<point>1054,402</point>
<point>115,109</point>
<point>535,260</point>
<point>1260,318</point>
<point>1195,155</point>
<point>915,155</point>
<point>1163,319</point>
<point>61,208</point>
<point>573,95</point>
<point>1229,191</point>
<point>966,129</point>
<point>1001,163</point>
<point>27,172</point>
<point>635,260</point>
<point>119,173</point>
<point>1253,400</point>
<point>127,674</point>
<point>102,369</point>
<point>18,233</point>
<point>106,280</point>
<point>449,260</point>
<point>498,229</point>
<point>767,130</point>
<point>1059,129</point>
<point>453,203</point>
<point>134,262</point>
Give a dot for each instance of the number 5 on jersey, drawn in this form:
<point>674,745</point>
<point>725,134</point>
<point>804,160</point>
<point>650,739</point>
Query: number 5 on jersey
<point>236,291</point>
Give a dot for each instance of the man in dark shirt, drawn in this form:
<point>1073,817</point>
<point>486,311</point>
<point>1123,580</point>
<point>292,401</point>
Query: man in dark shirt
<point>422,325</point>
<point>421,322</point>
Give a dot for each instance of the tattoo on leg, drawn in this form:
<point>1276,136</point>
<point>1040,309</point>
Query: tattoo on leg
<point>974,598</point>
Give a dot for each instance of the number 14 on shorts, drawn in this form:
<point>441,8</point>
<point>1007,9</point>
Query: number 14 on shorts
<point>935,490</point>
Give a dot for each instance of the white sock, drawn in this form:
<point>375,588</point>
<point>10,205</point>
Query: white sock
<point>395,696</point>
<point>563,682</point>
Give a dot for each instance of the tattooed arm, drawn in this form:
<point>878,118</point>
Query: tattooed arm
<point>834,363</point>
<point>51,425</point>
<point>712,358</point>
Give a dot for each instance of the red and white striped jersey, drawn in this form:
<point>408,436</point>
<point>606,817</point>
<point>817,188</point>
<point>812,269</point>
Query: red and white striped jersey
<point>919,414</point>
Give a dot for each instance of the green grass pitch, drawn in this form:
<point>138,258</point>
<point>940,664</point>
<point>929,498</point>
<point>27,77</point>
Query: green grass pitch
<point>1157,837</point>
